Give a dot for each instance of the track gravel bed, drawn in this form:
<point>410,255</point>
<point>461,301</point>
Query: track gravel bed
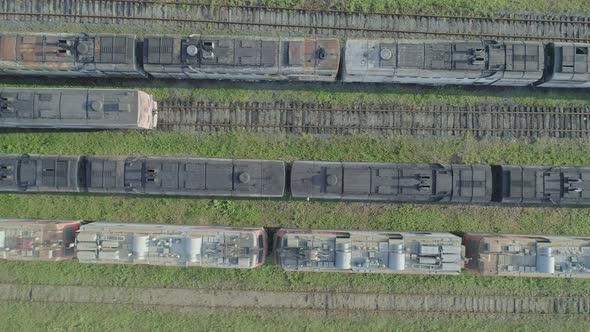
<point>441,120</point>
<point>248,19</point>
<point>316,301</point>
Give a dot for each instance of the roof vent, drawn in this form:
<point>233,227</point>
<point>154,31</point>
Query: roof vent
<point>82,48</point>
<point>192,50</point>
<point>244,177</point>
<point>385,54</point>
<point>321,53</point>
<point>331,180</point>
<point>96,105</point>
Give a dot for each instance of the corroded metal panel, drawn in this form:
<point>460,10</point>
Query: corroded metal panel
<point>61,54</point>
<point>528,255</point>
<point>44,240</point>
<point>244,58</point>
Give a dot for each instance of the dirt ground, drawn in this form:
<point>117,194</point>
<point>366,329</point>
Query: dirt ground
<point>297,301</point>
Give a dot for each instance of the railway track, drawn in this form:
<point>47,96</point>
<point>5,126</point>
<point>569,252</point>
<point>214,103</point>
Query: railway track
<point>251,19</point>
<point>297,301</point>
<point>443,120</point>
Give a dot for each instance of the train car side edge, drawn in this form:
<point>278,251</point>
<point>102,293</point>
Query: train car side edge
<point>296,249</point>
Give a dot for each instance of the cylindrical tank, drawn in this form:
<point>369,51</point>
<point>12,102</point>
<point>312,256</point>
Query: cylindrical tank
<point>343,256</point>
<point>545,260</point>
<point>193,248</point>
<point>397,257</point>
<point>140,246</point>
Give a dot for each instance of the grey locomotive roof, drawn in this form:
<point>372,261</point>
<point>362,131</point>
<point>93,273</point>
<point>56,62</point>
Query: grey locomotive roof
<point>179,245</point>
<point>242,57</point>
<point>186,176</point>
<point>76,108</point>
<point>45,173</point>
<point>443,61</point>
<point>391,181</point>
<point>63,54</point>
<point>143,175</point>
<point>364,251</point>
<point>570,66</point>
<point>545,184</point>
<point>529,255</point>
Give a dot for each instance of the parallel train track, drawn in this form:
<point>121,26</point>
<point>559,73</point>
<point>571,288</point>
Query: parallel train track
<point>578,306</point>
<point>198,17</point>
<point>442,120</point>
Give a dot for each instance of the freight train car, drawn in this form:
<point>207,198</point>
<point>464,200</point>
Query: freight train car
<point>395,182</point>
<point>568,66</point>
<point>146,175</point>
<point>185,176</point>
<point>77,108</point>
<point>365,251</point>
<point>443,62</point>
<point>242,57</point>
<point>45,240</point>
<point>381,182</point>
<point>69,55</point>
<point>430,62</point>
<point>545,185</point>
<point>528,255</point>
<point>176,245</point>
<point>41,173</point>
<point>296,249</point>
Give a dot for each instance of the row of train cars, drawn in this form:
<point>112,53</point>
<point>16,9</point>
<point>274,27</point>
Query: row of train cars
<point>295,249</point>
<point>430,62</point>
<point>434,62</point>
<point>361,181</point>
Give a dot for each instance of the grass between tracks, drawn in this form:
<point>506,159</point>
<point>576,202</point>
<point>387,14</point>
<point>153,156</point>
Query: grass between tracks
<point>437,7</point>
<point>293,213</point>
<point>451,7</point>
<point>86,317</point>
<point>332,94</point>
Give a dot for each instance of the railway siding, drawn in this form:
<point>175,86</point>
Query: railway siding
<point>437,120</point>
<point>248,19</point>
<point>316,301</point>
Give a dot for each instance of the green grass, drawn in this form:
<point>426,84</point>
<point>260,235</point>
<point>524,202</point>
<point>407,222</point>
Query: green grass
<point>465,7</point>
<point>293,213</point>
<point>90,317</point>
<point>241,144</point>
<point>270,278</point>
<point>138,28</point>
<point>328,94</point>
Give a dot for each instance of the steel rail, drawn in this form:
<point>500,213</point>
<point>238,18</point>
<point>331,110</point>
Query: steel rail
<point>299,26</point>
<point>574,20</point>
